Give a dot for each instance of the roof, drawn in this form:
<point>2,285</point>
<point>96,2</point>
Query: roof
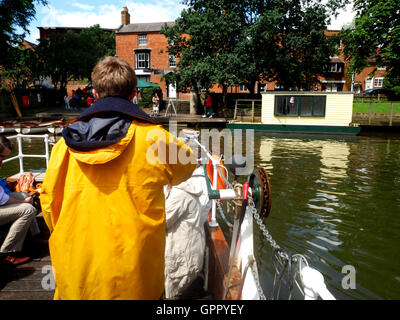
<point>71,28</point>
<point>144,27</point>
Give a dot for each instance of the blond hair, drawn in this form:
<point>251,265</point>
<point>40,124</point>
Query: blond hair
<point>113,77</point>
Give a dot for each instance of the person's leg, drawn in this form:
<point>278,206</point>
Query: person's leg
<point>34,227</point>
<point>22,216</point>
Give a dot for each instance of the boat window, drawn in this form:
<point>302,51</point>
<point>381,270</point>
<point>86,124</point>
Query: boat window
<point>304,106</point>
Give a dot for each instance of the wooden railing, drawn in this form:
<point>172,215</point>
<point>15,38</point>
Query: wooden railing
<point>253,102</point>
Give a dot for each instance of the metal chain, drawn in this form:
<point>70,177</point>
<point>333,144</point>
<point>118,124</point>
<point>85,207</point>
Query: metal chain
<point>221,212</point>
<point>266,233</point>
<point>254,271</point>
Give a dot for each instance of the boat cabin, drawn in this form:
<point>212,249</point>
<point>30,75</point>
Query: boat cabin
<point>307,108</point>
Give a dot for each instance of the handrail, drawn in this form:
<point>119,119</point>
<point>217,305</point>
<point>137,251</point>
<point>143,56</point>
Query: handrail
<point>252,107</point>
<point>21,155</point>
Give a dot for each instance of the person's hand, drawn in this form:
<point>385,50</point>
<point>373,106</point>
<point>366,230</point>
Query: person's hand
<point>28,200</point>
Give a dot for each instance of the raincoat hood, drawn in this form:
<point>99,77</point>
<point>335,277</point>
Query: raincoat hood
<point>102,132</point>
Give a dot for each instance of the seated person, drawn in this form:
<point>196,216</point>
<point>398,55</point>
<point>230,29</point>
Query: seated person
<point>15,208</point>
<point>186,208</point>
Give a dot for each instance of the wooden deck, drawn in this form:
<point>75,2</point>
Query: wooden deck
<point>32,280</point>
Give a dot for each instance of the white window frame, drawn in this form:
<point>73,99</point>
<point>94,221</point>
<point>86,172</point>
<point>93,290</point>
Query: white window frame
<point>336,67</point>
<point>378,82</point>
<point>368,83</point>
<point>142,60</point>
<point>171,61</point>
<point>243,88</point>
<point>142,40</point>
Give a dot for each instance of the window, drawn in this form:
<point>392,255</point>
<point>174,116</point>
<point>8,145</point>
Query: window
<point>335,67</point>
<point>172,61</point>
<point>303,106</point>
<point>378,82</point>
<point>142,60</point>
<point>144,78</point>
<point>332,87</point>
<point>368,83</point>
<point>142,40</point>
<point>243,88</point>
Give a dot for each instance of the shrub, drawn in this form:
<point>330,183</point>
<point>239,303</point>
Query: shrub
<point>146,96</point>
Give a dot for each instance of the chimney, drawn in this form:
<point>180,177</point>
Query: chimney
<point>125,16</point>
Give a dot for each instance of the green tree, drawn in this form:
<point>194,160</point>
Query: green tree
<point>15,16</point>
<point>23,67</point>
<point>374,38</point>
<point>72,56</point>
<point>242,42</point>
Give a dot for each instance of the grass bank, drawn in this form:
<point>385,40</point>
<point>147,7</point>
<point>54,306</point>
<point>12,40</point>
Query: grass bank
<point>377,107</point>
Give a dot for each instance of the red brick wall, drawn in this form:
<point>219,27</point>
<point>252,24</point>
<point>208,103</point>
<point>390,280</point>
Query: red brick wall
<point>125,45</point>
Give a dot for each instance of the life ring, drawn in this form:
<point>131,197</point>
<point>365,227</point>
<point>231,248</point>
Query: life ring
<point>221,174</point>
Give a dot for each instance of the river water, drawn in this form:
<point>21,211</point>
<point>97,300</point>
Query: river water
<point>335,200</point>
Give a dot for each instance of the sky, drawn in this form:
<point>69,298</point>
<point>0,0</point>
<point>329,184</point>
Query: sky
<point>107,13</point>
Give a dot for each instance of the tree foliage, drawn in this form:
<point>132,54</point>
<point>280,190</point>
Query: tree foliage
<point>374,38</point>
<point>245,41</point>
<point>72,56</point>
<point>23,67</point>
<point>15,16</point>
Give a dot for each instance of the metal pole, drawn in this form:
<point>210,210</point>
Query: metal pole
<point>20,154</point>
<point>46,145</point>
<point>213,222</point>
<point>252,110</point>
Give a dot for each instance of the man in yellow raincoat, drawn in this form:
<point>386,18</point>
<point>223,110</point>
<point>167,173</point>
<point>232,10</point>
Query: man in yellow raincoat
<point>102,196</point>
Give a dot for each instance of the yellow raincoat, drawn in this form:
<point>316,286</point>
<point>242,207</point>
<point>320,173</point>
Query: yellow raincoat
<point>105,209</point>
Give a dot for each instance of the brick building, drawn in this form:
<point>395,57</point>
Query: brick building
<point>144,48</point>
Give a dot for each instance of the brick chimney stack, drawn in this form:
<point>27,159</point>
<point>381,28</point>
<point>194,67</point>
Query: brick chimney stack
<point>125,16</point>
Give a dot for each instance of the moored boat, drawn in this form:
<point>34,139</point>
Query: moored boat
<point>32,127</point>
<point>304,112</point>
<point>7,126</point>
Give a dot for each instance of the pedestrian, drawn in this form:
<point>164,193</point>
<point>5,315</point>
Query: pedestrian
<point>208,111</point>
<point>102,196</point>
<point>156,104</point>
<point>77,98</point>
<point>67,100</point>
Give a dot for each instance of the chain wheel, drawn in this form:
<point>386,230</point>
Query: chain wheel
<point>261,188</point>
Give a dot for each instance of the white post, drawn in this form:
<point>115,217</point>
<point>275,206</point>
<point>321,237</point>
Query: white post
<point>213,222</point>
<point>20,154</point>
<point>46,145</point>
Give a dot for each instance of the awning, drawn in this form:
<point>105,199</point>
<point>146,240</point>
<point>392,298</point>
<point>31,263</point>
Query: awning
<point>145,84</point>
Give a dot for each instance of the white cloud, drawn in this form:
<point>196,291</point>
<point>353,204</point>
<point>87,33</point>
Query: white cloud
<point>345,16</point>
<point>157,11</point>
<point>107,16</point>
<point>83,6</point>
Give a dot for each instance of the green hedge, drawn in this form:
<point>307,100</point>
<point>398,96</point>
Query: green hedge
<point>146,96</point>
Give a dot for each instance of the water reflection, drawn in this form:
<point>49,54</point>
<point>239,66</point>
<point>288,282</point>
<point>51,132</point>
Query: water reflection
<point>335,201</point>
